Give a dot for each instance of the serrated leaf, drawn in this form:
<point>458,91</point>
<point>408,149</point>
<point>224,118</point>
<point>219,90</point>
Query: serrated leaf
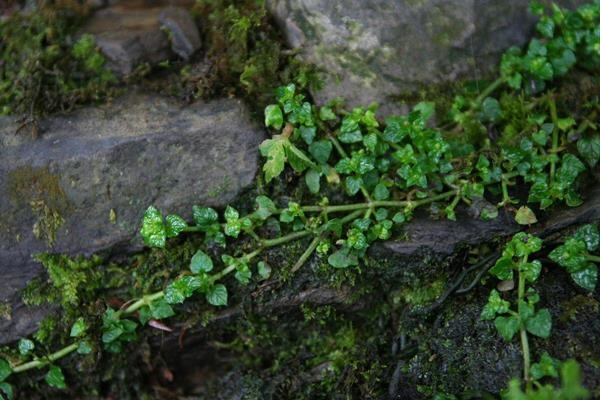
<point>547,366</point>
<point>25,346</point>
<point>266,207</point>
<point>507,326</point>
<point>217,295</point>
<point>181,289</point>
<point>274,150</point>
<point>326,114</point>
<point>586,277</point>
<point>540,324</point>
<point>589,148</point>
<point>204,217</point>
<point>503,269</point>
<point>352,184</point>
<point>153,230</point>
<point>160,309</point>
<point>320,150</point>
<point>201,262</point>
<point>531,270</point>
<point>55,378</point>
<point>590,235</point>
<point>174,225</point>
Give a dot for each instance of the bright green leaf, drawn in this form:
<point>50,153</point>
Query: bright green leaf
<point>174,225</point>
<point>55,378</point>
<point>217,295</point>
<point>507,326</point>
<point>79,327</point>
<point>153,230</point>
<point>273,116</point>
<point>540,324</point>
<point>201,262</point>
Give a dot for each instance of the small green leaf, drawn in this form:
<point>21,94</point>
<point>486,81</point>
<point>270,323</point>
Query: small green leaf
<point>342,259</point>
<point>79,327</point>
<point>264,270</point>
<point>5,370</point>
<point>547,366</point>
<point>181,289</point>
<point>153,230</point>
<point>25,346</point>
<point>55,378</point>
<point>201,262</point>
<point>84,347</point>
<point>525,216</point>
<point>586,277</point>
<point>160,309</point>
<point>174,225</point>
<point>503,269</point>
<point>312,179</point>
<point>540,324</point>
<point>495,305</point>
<point>350,131</point>
<point>491,109</point>
<point>590,235</point>
<point>320,150</point>
<point>204,217</point>
<point>217,295</point>
<point>326,114</point>
<point>307,133</point>
<point>572,387</point>
<point>273,116</point>
<point>531,270</point>
<point>353,184</point>
<point>507,326</point>
<point>297,159</point>
<point>589,148</point>
<point>381,192</point>
<point>8,391</point>
<point>266,207</point>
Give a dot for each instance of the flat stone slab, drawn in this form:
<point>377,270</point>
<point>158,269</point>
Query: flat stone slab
<point>376,50</point>
<point>133,33</point>
<point>84,185</point>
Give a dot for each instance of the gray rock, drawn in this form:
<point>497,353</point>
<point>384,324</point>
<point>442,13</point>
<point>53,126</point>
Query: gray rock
<point>131,34</point>
<point>442,238</point>
<point>374,50</point>
<point>83,187</point>
<point>184,35</point>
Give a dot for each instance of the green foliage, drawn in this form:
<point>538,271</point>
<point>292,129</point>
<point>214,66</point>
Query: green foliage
<point>41,71</point>
<point>570,389</point>
<point>575,256</point>
<point>380,172</point>
<point>55,378</point>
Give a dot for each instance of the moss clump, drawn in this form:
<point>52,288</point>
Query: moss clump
<point>40,190</point>
<point>44,69</point>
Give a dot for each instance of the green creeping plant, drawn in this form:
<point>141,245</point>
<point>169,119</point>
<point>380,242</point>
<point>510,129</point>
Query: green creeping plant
<point>384,170</point>
<point>526,319</point>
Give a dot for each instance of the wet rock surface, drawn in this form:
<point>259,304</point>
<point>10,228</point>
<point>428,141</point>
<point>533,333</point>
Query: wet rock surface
<point>84,185</point>
<point>375,50</point>
<point>132,33</point>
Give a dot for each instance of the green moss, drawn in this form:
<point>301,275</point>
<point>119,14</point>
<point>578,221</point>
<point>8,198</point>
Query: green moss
<point>5,310</point>
<point>421,294</point>
<point>42,70</point>
<point>40,191</point>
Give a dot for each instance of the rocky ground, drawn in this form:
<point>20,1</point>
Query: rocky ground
<point>407,326</point>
